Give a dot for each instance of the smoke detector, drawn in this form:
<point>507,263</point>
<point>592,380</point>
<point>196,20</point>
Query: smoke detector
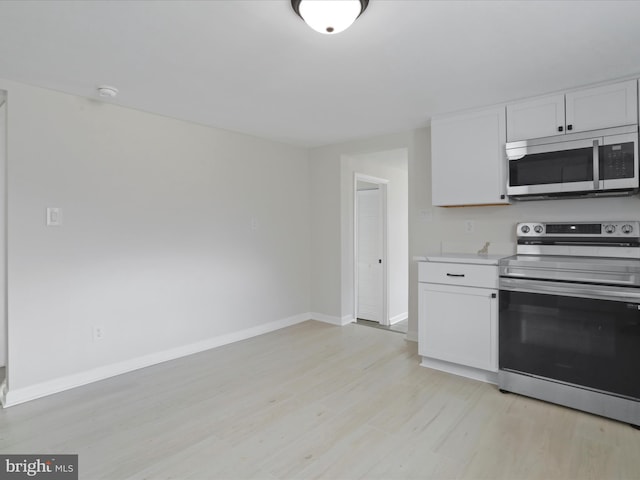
<point>105,91</point>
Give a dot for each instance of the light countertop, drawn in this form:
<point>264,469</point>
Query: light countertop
<point>491,259</point>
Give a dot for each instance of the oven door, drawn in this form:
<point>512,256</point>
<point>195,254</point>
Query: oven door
<point>584,335</point>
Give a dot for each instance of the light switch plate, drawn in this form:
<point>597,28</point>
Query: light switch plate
<point>54,217</point>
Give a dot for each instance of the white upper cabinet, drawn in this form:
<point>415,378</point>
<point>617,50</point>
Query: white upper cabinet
<point>576,111</point>
<point>602,107</point>
<point>540,117</point>
<point>468,162</point>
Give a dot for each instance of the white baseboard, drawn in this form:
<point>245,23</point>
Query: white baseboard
<point>412,336</point>
<point>347,319</point>
<point>9,397</point>
<point>398,318</point>
<point>341,322</point>
<point>461,370</point>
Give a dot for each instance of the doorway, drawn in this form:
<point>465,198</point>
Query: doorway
<point>383,174</point>
<point>370,249</point>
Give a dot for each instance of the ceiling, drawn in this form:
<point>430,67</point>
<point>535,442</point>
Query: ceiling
<point>255,67</point>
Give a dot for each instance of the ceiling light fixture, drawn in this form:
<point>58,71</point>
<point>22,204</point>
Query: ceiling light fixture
<point>329,16</point>
<point>105,91</point>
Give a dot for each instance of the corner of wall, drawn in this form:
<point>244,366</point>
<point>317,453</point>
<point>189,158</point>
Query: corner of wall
<point>333,320</point>
<point>3,393</point>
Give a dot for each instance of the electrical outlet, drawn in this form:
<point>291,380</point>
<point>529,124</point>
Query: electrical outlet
<point>98,333</point>
<point>469,226</point>
<point>426,215</point>
<point>54,217</point>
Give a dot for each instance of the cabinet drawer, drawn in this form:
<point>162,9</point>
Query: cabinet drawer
<point>484,276</point>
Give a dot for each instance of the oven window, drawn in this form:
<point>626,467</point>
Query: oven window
<point>593,343</point>
<point>554,167</point>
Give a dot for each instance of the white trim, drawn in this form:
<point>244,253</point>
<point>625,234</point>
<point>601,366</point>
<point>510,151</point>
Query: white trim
<point>398,318</point>
<point>4,155</point>
<point>10,398</point>
<point>369,179</point>
<point>411,337</point>
<point>461,370</point>
<point>341,322</point>
<point>347,319</point>
<point>3,392</point>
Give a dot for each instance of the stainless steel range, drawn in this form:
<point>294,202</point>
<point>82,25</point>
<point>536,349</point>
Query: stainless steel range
<point>569,319</point>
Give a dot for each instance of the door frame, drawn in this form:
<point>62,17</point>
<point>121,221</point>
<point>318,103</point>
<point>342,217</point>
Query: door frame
<point>382,185</point>
<point>4,323</point>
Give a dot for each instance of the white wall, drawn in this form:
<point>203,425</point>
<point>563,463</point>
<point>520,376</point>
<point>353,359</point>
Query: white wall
<point>392,166</point>
<point>156,246</point>
<point>3,286</point>
<point>421,232</point>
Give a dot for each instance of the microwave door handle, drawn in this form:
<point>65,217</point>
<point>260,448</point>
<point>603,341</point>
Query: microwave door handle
<point>596,165</point>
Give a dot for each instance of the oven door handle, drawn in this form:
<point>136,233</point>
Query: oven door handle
<point>580,290</point>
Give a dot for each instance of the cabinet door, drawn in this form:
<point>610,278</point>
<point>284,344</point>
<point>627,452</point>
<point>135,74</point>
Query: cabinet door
<point>468,160</point>
<point>458,325</point>
<point>602,107</point>
<point>539,117</point>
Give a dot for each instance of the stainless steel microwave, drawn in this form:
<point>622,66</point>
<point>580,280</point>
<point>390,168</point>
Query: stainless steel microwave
<point>595,163</point>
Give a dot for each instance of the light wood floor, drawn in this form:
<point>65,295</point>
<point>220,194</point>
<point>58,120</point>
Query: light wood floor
<point>315,401</point>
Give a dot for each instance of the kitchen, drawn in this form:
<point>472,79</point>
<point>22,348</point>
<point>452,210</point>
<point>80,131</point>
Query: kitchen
<point>552,154</point>
<point>314,175</point>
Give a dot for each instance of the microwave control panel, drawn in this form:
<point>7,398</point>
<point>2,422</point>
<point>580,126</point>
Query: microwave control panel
<point>616,161</point>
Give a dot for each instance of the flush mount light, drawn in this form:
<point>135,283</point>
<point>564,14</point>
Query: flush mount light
<point>329,16</point>
<point>105,91</point>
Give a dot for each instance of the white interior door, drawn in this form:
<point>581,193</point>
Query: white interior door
<point>370,243</point>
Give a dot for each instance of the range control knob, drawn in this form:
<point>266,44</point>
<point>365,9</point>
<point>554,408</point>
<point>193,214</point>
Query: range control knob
<point>537,229</point>
<point>627,228</point>
<point>525,229</point>
<point>609,228</point>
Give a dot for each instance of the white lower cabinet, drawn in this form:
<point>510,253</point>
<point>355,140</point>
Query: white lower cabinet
<point>458,317</point>
<point>458,325</point>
